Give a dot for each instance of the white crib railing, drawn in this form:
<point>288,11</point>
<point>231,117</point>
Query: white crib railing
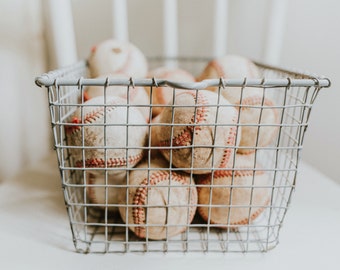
<point>60,22</point>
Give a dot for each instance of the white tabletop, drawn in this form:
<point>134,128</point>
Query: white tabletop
<point>35,232</point>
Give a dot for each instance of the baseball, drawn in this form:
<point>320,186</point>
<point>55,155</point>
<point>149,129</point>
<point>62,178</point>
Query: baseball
<point>231,67</point>
<point>103,189</point>
<point>234,197</point>
<point>201,130</point>
<point>158,203</point>
<point>134,95</point>
<point>259,119</point>
<point>104,135</point>
<point>114,56</point>
<point>164,95</point>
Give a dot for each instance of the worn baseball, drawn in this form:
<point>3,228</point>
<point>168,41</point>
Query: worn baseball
<point>114,56</point>
<point>164,94</point>
<point>199,133</point>
<point>231,66</point>
<point>234,197</point>
<point>134,95</point>
<point>103,189</point>
<point>158,203</point>
<point>107,134</point>
<point>259,119</point>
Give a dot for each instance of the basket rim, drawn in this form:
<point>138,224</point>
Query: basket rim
<point>294,78</point>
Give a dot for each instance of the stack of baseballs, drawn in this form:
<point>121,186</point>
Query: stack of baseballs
<point>159,155</point>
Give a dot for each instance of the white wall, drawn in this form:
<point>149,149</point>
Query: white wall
<point>24,134</point>
<point>312,42</point>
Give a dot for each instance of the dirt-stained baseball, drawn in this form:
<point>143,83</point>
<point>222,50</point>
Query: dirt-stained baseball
<point>158,203</point>
<point>163,94</point>
<point>103,189</point>
<point>231,66</point>
<point>114,56</point>
<point>201,130</point>
<point>259,119</point>
<point>257,113</point>
<point>234,197</point>
<point>134,95</point>
<point>102,134</point>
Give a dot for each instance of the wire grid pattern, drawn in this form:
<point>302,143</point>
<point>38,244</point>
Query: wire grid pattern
<point>95,228</point>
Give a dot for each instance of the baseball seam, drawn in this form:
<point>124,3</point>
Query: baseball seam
<point>89,118</point>
<point>229,173</point>
<point>231,141</point>
<point>110,162</point>
<point>140,198</point>
<point>184,138</point>
<point>244,221</point>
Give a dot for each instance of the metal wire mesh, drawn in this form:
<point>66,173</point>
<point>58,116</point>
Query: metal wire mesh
<point>97,228</point>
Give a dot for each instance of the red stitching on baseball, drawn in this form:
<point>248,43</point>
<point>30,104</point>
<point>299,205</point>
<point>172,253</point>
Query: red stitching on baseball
<point>237,173</point>
<point>230,141</point>
<point>252,217</point>
<point>206,179</point>
<point>140,198</point>
<point>241,222</point>
<point>92,116</point>
<point>110,162</point>
<point>185,137</point>
<point>71,129</point>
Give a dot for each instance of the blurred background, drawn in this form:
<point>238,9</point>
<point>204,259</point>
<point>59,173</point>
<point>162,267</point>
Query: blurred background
<point>309,40</point>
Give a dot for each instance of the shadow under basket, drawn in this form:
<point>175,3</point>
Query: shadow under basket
<point>98,227</point>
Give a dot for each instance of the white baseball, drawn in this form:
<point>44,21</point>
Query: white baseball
<point>114,56</point>
<point>158,203</point>
<point>201,130</point>
<point>103,189</point>
<point>137,95</point>
<point>231,66</point>
<point>107,134</point>
<point>164,94</point>
<point>234,197</point>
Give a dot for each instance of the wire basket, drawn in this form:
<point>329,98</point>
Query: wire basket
<point>97,226</point>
